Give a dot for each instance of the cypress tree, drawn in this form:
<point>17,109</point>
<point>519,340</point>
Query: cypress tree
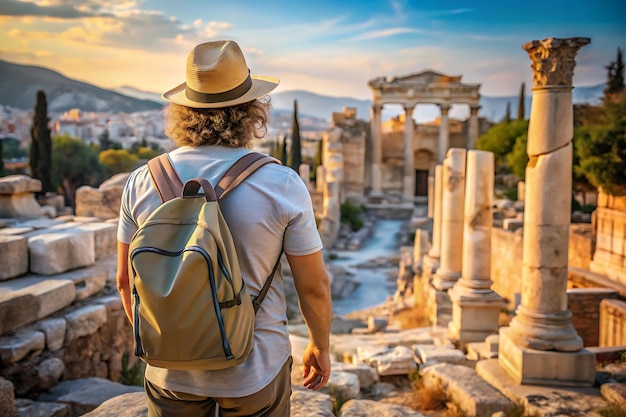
<point>615,79</point>
<point>1,158</point>
<point>521,105</point>
<point>295,154</point>
<point>507,113</point>
<point>40,158</point>
<point>283,151</point>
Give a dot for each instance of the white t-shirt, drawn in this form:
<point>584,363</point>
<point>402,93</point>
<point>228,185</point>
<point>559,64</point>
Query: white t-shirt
<point>270,203</point>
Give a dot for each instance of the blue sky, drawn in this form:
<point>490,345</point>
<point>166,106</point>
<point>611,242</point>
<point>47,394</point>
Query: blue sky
<point>328,47</point>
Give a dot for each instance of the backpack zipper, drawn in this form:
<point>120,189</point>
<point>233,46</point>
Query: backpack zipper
<point>216,303</point>
<point>138,347</point>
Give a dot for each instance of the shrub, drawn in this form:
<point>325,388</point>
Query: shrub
<point>352,215</point>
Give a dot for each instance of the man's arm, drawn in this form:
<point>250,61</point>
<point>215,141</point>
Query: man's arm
<point>123,281</point>
<point>313,287</point>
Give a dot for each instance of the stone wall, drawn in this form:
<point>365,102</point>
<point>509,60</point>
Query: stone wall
<point>584,303</point>
<point>507,252</point>
<point>609,258</point>
<point>60,316</point>
<point>613,323</point>
<point>506,264</point>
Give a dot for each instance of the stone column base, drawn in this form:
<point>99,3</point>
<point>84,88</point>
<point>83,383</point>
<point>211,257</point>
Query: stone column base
<point>538,367</point>
<point>439,307</point>
<point>474,318</point>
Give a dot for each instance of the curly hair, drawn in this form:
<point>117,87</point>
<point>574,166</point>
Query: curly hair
<point>234,127</point>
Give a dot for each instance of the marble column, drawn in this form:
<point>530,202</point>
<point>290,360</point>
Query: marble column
<point>451,256</point>
<point>541,345</point>
<point>444,133</point>
<point>475,307</point>
<point>377,149</point>
<point>431,260</point>
<point>408,182</point>
<point>472,134</point>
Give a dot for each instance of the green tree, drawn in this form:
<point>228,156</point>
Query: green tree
<point>40,159</point>
<point>295,154</point>
<point>147,153</point>
<point>507,112</point>
<point>517,159</point>
<point>105,140</point>
<point>501,138</point>
<point>74,164</point>
<point>601,149</point>
<point>521,103</point>
<point>117,160</point>
<point>615,79</point>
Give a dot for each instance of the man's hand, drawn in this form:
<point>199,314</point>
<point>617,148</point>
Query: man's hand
<point>316,367</point>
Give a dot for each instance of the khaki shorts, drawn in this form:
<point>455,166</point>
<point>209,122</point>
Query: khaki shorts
<point>271,401</point>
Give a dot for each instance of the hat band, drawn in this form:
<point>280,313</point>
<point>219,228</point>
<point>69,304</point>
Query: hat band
<point>231,94</point>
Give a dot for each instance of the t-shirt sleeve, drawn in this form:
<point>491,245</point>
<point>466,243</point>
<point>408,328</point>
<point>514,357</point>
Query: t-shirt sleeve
<point>301,235</point>
<point>127,226</point>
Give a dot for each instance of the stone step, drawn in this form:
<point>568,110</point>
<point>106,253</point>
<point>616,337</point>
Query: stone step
<point>361,408</point>
<point>86,394</point>
<point>29,408</point>
<point>31,298</point>
<point>57,251</point>
<point>13,256</point>
<point>467,390</point>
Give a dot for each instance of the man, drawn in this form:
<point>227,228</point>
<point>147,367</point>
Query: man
<point>212,118</point>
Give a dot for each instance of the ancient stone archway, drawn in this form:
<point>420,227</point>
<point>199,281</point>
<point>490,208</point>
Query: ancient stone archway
<point>426,87</point>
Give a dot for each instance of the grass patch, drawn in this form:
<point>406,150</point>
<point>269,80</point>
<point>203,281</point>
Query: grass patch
<point>131,375</point>
<point>613,410</point>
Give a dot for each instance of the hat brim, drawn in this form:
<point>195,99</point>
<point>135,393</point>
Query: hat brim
<point>261,86</point>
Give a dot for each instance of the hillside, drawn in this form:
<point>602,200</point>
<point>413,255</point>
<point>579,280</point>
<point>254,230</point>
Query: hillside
<point>19,85</point>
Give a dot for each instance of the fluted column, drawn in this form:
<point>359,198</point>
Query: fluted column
<point>444,133</point>
<point>408,181</point>
<point>377,150</point>
<point>475,307</point>
<point>472,134</point>
<point>543,321</point>
<point>431,259</point>
<point>451,256</point>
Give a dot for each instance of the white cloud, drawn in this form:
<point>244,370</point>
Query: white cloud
<point>383,33</point>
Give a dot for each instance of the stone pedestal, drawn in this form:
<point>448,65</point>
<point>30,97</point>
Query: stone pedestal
<point>543,367</point>
<point>541,345</point>
<point>450,262</point>
<point>475,307</point>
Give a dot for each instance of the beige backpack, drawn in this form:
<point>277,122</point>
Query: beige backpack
<point>191,308</point>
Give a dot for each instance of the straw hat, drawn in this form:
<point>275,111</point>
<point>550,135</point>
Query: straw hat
<point>218,76</point>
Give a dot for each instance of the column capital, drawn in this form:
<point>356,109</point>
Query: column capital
<point>444,109</point>
<point>474,110</point>
<point>409,109</point>
<point>377,107</point>
<point>553,60</point>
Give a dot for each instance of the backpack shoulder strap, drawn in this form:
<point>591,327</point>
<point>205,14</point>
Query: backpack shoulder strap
<point>165,178</point>
<point>240,170</point>
<point>234,176</point>
<point>256,301</point>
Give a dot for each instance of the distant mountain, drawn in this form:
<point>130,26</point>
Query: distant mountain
<point>140,94</point>
<point>19,85</point>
